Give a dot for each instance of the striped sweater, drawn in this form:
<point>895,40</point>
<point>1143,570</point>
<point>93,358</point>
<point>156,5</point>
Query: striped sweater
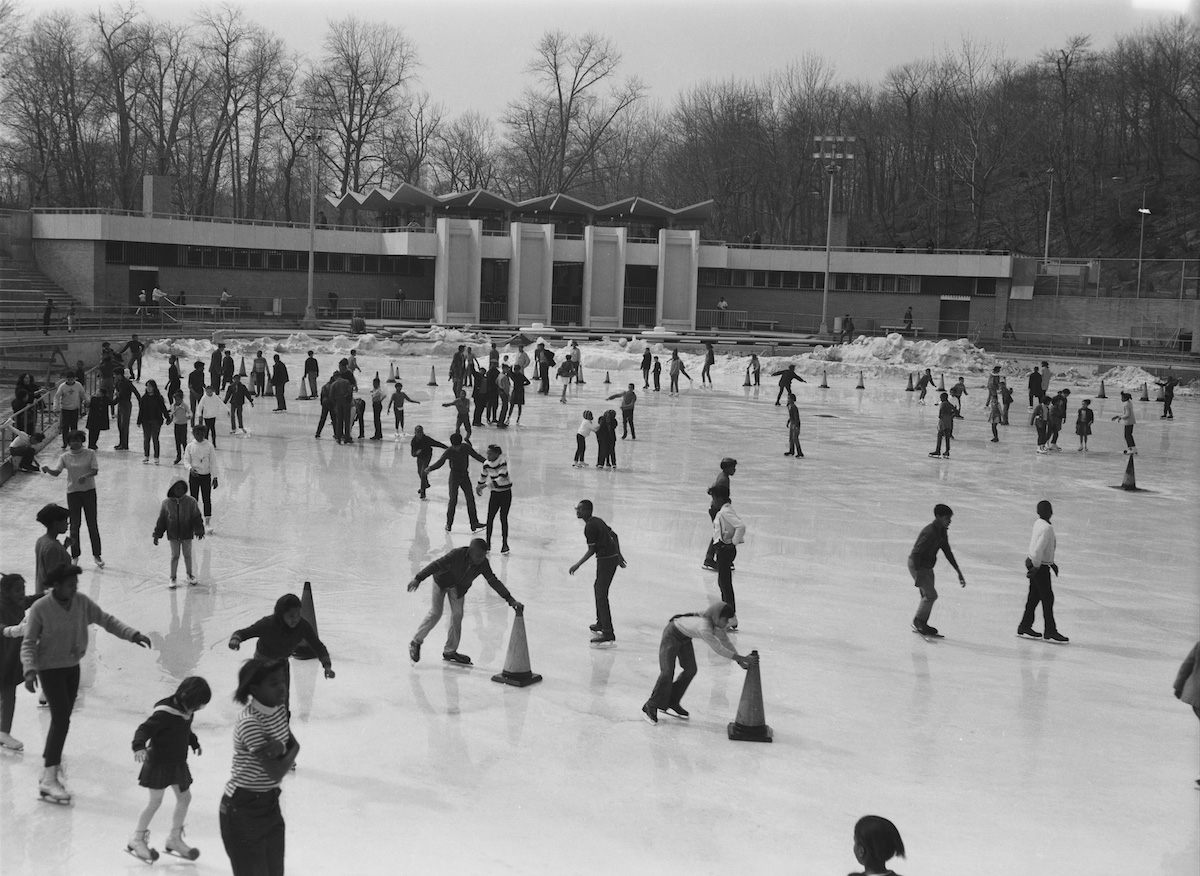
<point>495,472</point>
<point>256,727</point>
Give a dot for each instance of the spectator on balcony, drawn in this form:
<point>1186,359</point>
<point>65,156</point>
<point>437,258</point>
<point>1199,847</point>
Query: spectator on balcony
<point>358,325</point>
<point>71,319</point>
<point>182,298</point>
<point>757,239</point>
<point>158,298</point>
<point>136,348</point>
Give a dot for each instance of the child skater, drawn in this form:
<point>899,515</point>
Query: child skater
<point>793,424</point>
<point>710,359</point>
<point>396,407</point>
<point>876,841</point>
<point>995,417</point>
<point>161,746</point>
<point>279,633</point>
<point>606,440</point>
<point>754,370</point>
<point>13,603</point>
<point>181,415</point>
<point>957,391</point>
<point>180,520</point>
<point>586,427</point>
<point>657,374</point>
<point>264,750</point>
<point>517,400</point>
<point>1083,424</point>
<point>377,409</point>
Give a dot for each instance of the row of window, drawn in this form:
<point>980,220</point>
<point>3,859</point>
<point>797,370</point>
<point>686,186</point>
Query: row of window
<point>170,255</point>
<point>814,281</point>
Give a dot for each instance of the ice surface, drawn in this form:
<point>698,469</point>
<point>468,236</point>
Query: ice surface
<point>992,754</point>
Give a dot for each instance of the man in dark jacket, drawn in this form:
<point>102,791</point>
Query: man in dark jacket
<point>1035,387</point>
<point>214,368</point>
<point>341,402</point>
<point>719,495</point>
<point>452,576</point>
<point>459,455</point>
<point>311,371</point>
<point>786,376</point>
<point>122,405</point>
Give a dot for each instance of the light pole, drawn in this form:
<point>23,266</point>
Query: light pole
<point>830,148</point>
<point>1049,208</point>
<point>1141,239</point>
<point>310,310</point>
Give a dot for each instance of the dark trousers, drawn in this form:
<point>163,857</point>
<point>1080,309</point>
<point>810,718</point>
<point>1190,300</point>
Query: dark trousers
<point>83,503</point>
<point>26,456</point>
<point>195,399</point>
<point>657,381</point>
<point>1042,433</point>
<point>377,416</point>
<point>668,690</point>
<point>423,463</point>
<point>1167,412</point>
<point>580,447</point>
<point>235,418</point>
<point>181,438</point>
<point>725,555</point>
<point>342,419</point>
<point>1129,437</point>
<point>93,435</point>
<point>498,503</point>
<point>463,422</point>
<point>1004,414</point>
<point>312,384</point>
<point>136,363</point>
<point>150,435</point>
<point>59,686</point>
<point>627,423</point>
<point>8,707</point>
<point>124,411</point>
<point>944,433</point>
<point>461,482</point>
<point>545,390</point>
<point>280,401</point>
<point>674,382</point>
<point>606,568</point>
<point>211,423</point>
<point>253,832</point>
<point>1040,591</point>
<point>398,415</point>
<point>214,380</point>
<point>645,378</point>
<point>711,553</point>
<point>200,486</point>
<point>325,414</point>
<point>259,381</point>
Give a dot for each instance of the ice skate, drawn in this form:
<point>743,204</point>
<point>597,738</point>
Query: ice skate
<point>139,847</point>
<point>192,580</point>
<point>414,652</point>
<point>99,562</point>
<point>603,638</point>
<point>650,713</point>
<point>1057,637</point>
<point>50,787</point>
<point>172,584</point>
<point>1028,633</point>
<point>10,743</point>
<point>177,846</point>
<point>677,711</point>
<point>455,657</point>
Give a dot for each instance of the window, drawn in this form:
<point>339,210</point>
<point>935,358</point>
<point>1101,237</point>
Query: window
<point>274,260</point>
<point>371,264</point>
<point>194,257</point>
<point>241,258</point>
<point>257,258</point>
<point>337,262</point>
<point>225,258</point>
<point>114,252</point>
<point>986,286</point>
<point>291,261</point>
<point>320,261</point>
<point>357,264</point>
<point>907,284</point>
<point>210,257</point>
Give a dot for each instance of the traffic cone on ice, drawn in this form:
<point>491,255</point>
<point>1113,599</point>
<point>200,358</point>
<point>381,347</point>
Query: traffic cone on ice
<point>747,381</point>
<point>606,380</point>
<point>242,369</point>
<point>1158,396</point>
<point>860,381</point>
<point>376,375</point>
<point>1145,393</point>
<point>516,664</point>
<point>824,380</point>
<point>432,376</point>
<point>1101,394</point>
<point>304,650</point>
<point>1129,482</point>
<point>750,725</point>
<point>910,388</point>
<point>941,383</point>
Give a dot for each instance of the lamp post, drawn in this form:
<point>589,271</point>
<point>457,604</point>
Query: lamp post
<point>1141,239</point>
<point>1049,208</point>
<point>310,310</point>
<point>830,148</point>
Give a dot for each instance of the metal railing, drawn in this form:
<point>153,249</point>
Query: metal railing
<point>566,314</point>
<point>638,317</point>
<point>722,319</point>
<point>394,308</point>
<point>41,415</point>
<point>493,311</point>
<point>232,220</point>
<point>1169,279</point>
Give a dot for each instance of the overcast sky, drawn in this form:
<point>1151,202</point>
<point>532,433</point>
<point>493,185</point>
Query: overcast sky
<point>473,52</point>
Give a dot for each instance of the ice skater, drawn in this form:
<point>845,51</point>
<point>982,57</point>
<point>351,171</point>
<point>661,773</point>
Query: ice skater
<point>606,440</point>
<point>48,552</point>
<point>946,415</point>
<point>586,427</point>
<point>676,368</point>
<point>196,384</point>
<point>55,641</point>
<point>1168,395</point>
<point>495,474</point>
<point>179,519</point>
<point>200,457</point>
<point>1006,397</point>
<point>565,375</point>
<point>728,532</point>
<point>1058,415</point>
<point>604,545</point>
<point>793,427</point>
<point>236,396</point>
<point>657,375</point>
<point>160,745</point>
<point>264,751</point>
<point>1041,423</point>
<point>754,371</point>
<point>453,573</point>
<point>208,411</point>
<point>81,466</point>
<point>462,410</point>
<point>312,370</point>
<point>718,494</point>
<point>280,633</point>
<point>786,376</point>
<point>995,418</point>
<point>1083,424</point>
<point>377,395</point>
<point>923,383</point>
<point>279,380</point>
<point>1187,683</point>
<point>676,645</point>
<point>1128,420</point>
<point>13,606</point>
<point>647,360</point>
<point>459,455</point>
<point>993,387</point>
<point>933,538</point>
<point>421,448</point>
<point>957,391</point>
<point>258,374</point>
<point>628,401</point>
<point>1039,563</point>
<point>710,359</point>
<point>876,841</point>
<point>517,401</point>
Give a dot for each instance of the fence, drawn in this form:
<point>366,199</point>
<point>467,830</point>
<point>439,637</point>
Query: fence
<point>493,311</point>
<point>394,308</point>
<point>1120,278</point>
<point>40,416</point>
<point>566,314</point>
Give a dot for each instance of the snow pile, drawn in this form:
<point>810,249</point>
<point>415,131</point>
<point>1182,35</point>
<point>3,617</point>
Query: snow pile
<point>896,355</point>
<point>1128,377</point>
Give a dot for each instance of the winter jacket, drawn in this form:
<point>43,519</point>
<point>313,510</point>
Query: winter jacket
<point>179,517</point>
<point>12,628</point>
<point>153,410</point>
<point>56,635</point>
<point>167,733</point>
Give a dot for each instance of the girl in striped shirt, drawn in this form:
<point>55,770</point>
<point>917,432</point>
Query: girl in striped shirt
<point>495,473</point>
<point>264,749</point>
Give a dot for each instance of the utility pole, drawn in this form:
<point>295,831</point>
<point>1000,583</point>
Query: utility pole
<point>830,149</point>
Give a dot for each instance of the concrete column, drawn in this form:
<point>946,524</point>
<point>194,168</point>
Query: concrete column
<point>603,276</point>
<point>456,281</point>
<point>678,263</point>
<point>530,273</point>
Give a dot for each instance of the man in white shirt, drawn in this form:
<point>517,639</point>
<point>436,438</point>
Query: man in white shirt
<point>727,533</point>
<point>200,457</point>
<point>70,400</point>
<point>208,409</point>
<point>1039,563</point>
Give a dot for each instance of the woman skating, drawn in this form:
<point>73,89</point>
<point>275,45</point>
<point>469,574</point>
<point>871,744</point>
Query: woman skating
<point>81,467</point>
<point>495,474</point>
<point>152,413</point>
<point>422,450</point>
<point>1083,423</point>
<point>180,520</point>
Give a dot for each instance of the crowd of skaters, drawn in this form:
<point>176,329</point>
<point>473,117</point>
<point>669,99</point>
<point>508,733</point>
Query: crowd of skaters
<point>458,568</point>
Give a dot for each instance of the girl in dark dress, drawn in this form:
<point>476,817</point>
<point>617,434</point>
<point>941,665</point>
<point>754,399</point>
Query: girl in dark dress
<point>13,603</point>
<point>517,400</point>
<point>161,746</point>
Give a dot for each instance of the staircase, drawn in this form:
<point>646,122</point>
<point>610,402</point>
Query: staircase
<point>23,293</point>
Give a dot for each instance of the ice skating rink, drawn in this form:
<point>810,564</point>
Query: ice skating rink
<point>993,755</point>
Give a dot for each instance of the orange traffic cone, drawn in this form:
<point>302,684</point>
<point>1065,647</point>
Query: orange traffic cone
<point>824,380</point>
<point>606,380</point>
<point>747,382</point>
<point>516,664</point>
<point>1145,393</point>
<point>750,725</point>
<point>941,383</point>
<point>304,650</point>
<point>242,369</point>
<point>1101,394</point>
<point>392,375</point>
<point>1129,482</point>
<point>432,376</point>
<point>860,381</point>
<point>910,388</point>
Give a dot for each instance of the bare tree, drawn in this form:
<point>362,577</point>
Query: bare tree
<point>121,41</point>
<point>465,155</point>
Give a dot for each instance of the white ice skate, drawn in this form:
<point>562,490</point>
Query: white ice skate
<point>177,846</point>
<point>50,788</point>
<point>139,847</point>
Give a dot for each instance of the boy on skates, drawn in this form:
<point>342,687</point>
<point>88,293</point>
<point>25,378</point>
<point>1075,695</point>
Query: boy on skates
<point>933,538</point>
